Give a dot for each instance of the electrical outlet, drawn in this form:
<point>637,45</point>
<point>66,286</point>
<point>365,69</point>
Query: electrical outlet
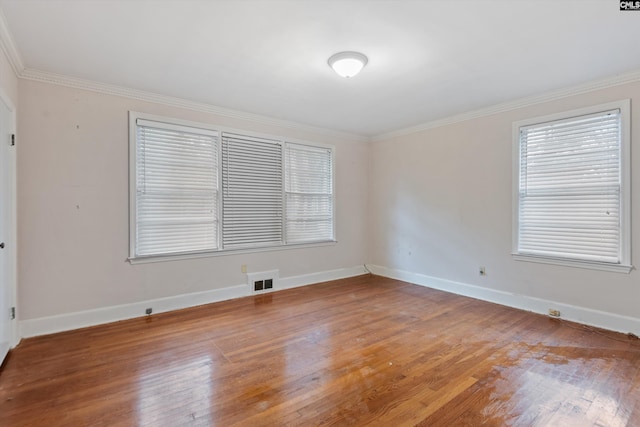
<point>148,311</point>
<point>482,271</point>
<point>243,268</point>
<point>554,313</point>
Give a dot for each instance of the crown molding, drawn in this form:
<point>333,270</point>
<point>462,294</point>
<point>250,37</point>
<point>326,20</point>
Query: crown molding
<point>9,47</point>
<point>616,80</point>
<point>13,55</point>
<point>77,83</point>
<point>109,89</point>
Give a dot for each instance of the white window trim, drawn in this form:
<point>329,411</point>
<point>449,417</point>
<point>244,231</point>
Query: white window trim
<point>625,172</point>
<point>133,259</point>
<point>195,255</point>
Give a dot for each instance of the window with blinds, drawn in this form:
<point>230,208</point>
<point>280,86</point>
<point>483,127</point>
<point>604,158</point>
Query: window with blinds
<point>309,193</point>
<point>251,192</point>
<point>572,197</point>
<point>196,190</point>
<point>176,190</point>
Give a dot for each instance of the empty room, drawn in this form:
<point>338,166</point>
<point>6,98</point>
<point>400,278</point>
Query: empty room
<point>322,212</point>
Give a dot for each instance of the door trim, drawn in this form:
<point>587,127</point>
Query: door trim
<point>13,261</point>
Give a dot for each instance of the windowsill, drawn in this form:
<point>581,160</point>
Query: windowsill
<point>592,265</point>
<point>193,255</point>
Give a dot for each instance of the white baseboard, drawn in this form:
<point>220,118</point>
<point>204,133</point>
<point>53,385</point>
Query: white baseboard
<point>587,316</point>
<point>322,276</point>
<point>81,319</point>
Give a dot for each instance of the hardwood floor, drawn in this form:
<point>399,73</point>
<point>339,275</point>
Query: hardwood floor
<point>360,351</point>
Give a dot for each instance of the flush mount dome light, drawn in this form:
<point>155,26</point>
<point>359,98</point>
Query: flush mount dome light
<point>348,64</point>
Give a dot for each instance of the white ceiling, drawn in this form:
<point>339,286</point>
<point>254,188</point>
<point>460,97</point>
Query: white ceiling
<point>427,59</point>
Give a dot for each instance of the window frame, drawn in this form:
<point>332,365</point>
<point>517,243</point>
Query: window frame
<point>137,259</point>
<point>624,266</point>
<point>286,187</point>
<point>156,125</point>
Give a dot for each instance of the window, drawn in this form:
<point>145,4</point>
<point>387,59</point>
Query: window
<point>309,193</point>
<point>196,190</point>
<point>571,188</point>
<point>251,192</point>
<point>176,191</point>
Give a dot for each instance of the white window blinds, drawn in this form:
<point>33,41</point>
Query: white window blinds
<point>309,193</point>
<point>251,192</point>
<point>176,189</point>
<point>196,190</point>
<point>570,188</point>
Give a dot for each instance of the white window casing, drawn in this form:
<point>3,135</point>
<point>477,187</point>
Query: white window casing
<point>572,188</point>
<point>198,190</point>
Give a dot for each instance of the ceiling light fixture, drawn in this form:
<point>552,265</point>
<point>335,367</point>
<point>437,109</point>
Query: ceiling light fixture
<point>348,64</point>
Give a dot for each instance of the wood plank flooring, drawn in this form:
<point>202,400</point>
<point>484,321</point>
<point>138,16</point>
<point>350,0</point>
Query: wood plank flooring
<point>365,351</point>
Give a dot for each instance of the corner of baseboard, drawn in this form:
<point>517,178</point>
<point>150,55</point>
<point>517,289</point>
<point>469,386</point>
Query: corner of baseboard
<point>584,315</point>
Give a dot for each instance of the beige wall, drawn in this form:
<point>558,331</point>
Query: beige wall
<point>436,203</point>
<point>8,80</point>
<point>441,206</point>
<point>73,208</point>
